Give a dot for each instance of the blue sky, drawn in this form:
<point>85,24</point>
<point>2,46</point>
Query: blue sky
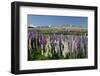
<point>46,20</point>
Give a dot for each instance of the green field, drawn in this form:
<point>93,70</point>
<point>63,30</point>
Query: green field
<point>61,28</point>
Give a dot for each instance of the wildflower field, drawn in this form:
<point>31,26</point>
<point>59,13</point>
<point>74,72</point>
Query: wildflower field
<point>50,43</point>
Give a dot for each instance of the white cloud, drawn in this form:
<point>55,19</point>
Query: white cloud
<point>32,25</point>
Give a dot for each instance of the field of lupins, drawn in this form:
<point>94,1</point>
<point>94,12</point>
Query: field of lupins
<point>57,44</point>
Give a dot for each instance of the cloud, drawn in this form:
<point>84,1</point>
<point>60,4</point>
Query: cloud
<point>32,25</point>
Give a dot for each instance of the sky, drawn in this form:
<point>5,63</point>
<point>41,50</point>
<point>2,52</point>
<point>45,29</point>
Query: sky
<point>48,20</point>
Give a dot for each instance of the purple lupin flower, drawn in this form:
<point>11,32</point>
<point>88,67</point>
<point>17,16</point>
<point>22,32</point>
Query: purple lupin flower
<point>42,41</point>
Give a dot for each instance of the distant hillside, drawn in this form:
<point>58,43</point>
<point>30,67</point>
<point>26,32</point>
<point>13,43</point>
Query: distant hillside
<point>60,28</point>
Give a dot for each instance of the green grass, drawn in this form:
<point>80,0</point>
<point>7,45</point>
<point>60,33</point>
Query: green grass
<point>60,29</point>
